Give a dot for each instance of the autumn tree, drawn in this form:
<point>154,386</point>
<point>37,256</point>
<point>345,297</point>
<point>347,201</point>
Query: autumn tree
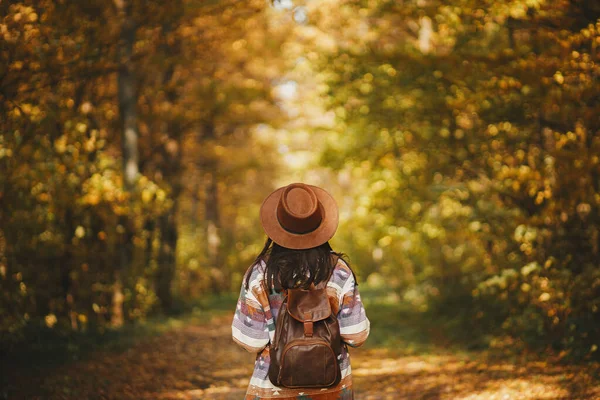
<point>106,108</point>
<point>470,131</point>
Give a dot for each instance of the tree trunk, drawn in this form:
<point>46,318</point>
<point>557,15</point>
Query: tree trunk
<point>167,258</point>
<point>129,143</point>
<point>66,262</point>
<point>213,225</point>
<point>172,167</point>
<point>212,222</point>
<point>425,33</point>
<point>149,229</point>
<point>127,95</point>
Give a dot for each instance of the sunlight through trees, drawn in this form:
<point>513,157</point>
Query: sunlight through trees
<point>461,139</point>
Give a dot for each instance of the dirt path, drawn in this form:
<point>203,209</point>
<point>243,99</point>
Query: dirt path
<point>196,362</point>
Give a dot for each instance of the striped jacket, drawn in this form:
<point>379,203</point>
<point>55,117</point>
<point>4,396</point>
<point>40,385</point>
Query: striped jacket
<point>253,328</point>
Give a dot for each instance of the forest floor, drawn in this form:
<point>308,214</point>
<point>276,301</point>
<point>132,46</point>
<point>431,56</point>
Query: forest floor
<point>195,359</point>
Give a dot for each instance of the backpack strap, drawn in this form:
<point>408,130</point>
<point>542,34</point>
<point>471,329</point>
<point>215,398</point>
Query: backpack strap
<point>308,325</point>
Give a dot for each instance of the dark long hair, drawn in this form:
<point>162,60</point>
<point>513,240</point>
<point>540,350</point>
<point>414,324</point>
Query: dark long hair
<point>289,268</point>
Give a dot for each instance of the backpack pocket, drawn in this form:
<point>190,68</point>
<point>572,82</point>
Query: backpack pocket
<point>308,363</point>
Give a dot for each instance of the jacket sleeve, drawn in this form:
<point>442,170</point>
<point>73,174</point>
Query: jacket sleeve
<point>249,327</point>
<point>354,324</point>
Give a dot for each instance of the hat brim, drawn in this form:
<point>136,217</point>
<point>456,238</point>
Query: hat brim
<point>324,232</point>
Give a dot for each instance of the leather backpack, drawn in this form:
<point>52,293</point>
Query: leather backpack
<point>307,342</point>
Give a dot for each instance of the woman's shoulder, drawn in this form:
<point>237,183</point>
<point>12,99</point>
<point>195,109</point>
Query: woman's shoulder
<point>341,273</point>
<point>257,273</point>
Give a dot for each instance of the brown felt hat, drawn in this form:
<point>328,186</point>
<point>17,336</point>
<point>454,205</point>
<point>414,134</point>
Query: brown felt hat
<point>299,216</point>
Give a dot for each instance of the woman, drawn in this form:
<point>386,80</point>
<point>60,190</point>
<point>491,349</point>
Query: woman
<point>299,220</point>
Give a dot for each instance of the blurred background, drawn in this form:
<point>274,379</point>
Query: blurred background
<point>460,138</point>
